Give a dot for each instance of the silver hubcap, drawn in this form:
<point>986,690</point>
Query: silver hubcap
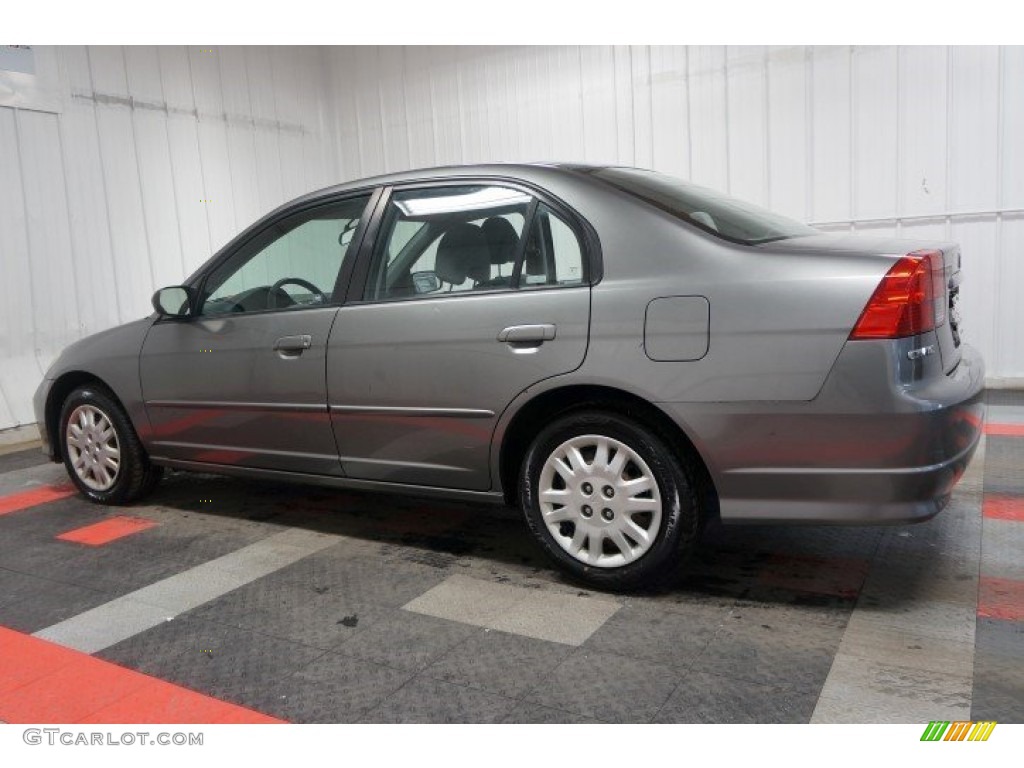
<point>600,501</point>
<point>93,447</point>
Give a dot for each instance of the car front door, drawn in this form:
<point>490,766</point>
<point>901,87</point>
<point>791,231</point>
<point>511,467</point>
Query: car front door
<point>242,380</point>
<point>474,292</point>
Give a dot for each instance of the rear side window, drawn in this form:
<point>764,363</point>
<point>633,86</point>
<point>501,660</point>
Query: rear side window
<point>712,211</point>
<point>481,237</point>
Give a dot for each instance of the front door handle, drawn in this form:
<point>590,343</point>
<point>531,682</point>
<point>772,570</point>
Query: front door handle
<point>519,334</point>
<point>293,346</point>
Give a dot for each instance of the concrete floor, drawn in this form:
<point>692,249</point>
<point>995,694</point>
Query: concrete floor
<point>310,605</point>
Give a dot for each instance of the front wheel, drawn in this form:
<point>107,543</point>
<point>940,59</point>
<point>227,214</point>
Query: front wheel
<point>608,500</point>
<point>102,453</point>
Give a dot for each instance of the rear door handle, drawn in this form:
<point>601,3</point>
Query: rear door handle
<point>527,333</point>
<point>292,346</point>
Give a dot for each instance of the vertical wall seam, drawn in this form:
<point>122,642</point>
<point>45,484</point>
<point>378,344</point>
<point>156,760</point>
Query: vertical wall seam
<point>650,102</point>
<point>106,191</point>
<point>170,159</point>
<point>75,254</point>
<point>766,103</point>
<point>899,141</point>
<point>1000,139</point>
<point>28,237</point>
<point>809,144</point>
<point>227,143</point>
<point>387,167</point>
<point>949,151</point>
<point>199,148</point>
<point>138,173</point>
<point>405,102</point>
<point>852,156</point>
<point>728,124</point>
<point>583,109</point>
<point>689,115</point>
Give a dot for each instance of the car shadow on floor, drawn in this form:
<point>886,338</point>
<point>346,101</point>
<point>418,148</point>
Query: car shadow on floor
<point>813,567</point>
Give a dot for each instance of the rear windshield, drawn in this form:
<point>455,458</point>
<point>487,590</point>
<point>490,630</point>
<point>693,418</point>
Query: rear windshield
<point>712,211</point>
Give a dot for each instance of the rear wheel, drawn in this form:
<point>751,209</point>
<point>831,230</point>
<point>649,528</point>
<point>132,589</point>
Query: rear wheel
<point>608,500</point>
<point>102,453</point>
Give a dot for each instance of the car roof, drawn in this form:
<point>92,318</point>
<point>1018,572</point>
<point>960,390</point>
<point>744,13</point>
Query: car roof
<point>526,170</point>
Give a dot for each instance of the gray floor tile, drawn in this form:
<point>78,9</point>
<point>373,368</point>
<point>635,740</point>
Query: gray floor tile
<point>15,586</point>
<point>313,617</point>
<point>534,714</point>
<point>242,672</point>
<point>159,651</point>
<point>499,662</point>
<point>671,638</point>
<point>793,657</point>
<point>57,602</point>
<point>337,688</point>
<point>424,700</point>
<point>364,579</point>
<point>705,698</point>
<point>606,687</point>
<point>406,640</point>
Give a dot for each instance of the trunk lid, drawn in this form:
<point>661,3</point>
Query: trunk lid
<point>948,332</point>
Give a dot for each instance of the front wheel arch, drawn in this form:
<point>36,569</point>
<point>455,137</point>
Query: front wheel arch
<point>63,386</point>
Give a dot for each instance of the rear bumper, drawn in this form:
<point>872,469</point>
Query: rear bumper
<point>862,452</point>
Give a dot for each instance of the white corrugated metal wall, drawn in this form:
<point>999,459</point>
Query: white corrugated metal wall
<point>161,154</point>
<point>157,157</point>
<point>914,141</point>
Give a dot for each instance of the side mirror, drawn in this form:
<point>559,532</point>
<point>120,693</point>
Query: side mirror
<point>426,282</point>
<point>175,301</point>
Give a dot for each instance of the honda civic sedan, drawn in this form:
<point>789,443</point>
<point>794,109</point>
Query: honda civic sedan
<point>622,354</point>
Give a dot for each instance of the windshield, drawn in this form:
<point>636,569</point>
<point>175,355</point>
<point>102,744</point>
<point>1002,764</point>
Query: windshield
<point>712,211</point>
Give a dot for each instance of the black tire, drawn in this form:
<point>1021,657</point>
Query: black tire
<point>135,476</point>
<point>679,525</point>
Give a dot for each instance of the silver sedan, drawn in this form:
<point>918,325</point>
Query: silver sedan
<point>622,354</point>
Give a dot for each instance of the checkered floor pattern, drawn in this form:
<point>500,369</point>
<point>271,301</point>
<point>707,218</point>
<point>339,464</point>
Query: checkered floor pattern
<point>254,602</point>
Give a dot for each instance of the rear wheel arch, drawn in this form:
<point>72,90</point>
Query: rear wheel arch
<point>531,418</point>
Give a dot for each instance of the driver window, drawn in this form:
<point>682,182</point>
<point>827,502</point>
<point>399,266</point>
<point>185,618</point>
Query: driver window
<point>291,265</point>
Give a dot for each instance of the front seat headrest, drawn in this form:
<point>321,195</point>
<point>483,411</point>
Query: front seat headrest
<point>501,239</point>
<point>463,253</point>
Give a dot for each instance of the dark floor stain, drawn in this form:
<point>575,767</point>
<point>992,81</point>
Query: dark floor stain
<point>350,621</point>
<point>320,590</point>
<point>441,560</point>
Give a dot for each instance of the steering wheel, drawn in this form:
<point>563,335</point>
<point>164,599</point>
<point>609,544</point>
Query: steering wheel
<point>319,297</point>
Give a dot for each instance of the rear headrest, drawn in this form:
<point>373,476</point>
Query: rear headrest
<point>501,239</point>
<point>463,253</point>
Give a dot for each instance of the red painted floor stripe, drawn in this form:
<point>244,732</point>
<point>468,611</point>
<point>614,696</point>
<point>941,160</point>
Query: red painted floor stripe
<point>1005,430</point>
<point>18,501</point>
<point>98,534</point>
<point>41,682</point>
<point>1001,599</point>
<point>1004,507</point>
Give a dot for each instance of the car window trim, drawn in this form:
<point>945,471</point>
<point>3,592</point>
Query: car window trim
<point>198,283</point>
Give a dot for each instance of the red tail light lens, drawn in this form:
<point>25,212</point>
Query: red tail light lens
<point>909,300</point>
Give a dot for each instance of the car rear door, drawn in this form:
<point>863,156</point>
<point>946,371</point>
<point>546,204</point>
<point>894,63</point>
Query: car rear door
<point>242,380</point>
<point>460,313</point>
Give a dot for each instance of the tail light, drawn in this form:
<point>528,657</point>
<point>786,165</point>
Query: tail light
<point>910,300</point>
